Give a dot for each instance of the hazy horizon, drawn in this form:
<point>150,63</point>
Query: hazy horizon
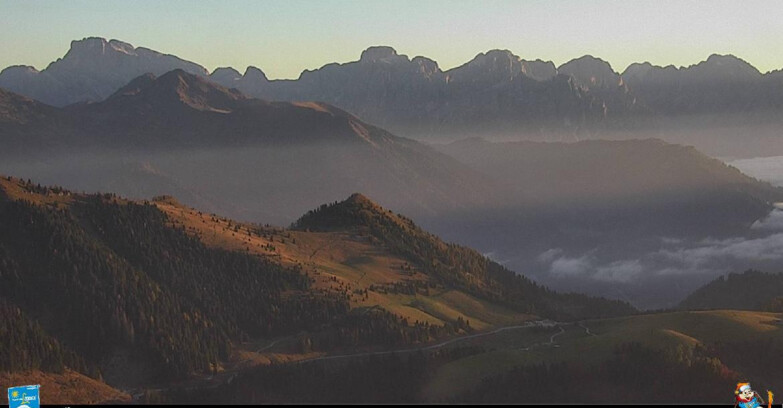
<point>285,38</point>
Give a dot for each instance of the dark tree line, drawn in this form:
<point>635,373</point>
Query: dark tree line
<point>749,290</point>
<point>634,374</point>
<point>378,327</point>
<point>95,300</point>
<point>26,346</point>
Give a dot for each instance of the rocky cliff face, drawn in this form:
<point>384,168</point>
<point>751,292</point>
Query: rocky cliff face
<point>591,72</point>
<point>497,91</point>
<point>722,83</point>
<point>93,69</point>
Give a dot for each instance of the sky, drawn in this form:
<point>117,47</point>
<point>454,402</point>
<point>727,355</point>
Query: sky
<point>283,38</point>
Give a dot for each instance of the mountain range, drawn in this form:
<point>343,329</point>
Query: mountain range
<point>497,94</point>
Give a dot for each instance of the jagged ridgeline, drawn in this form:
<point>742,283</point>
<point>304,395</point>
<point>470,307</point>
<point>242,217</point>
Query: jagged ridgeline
<point>454,265</point>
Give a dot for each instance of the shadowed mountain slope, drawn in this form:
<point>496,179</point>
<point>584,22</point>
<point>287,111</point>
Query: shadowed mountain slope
<point>750,290</point>
<point>205,139</point>
<point>136,293</point>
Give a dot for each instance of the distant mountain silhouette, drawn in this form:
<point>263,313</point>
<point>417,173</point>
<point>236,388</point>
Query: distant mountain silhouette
<point>496,93</point>
<point>721,83</point>
<point>91,70</point>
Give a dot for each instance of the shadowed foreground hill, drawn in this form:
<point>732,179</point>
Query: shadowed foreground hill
<point>750,290</point>
<point>114,281</point>
<point>143,293</point>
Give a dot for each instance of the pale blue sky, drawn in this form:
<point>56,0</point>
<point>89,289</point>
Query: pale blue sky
<point>285,37</point>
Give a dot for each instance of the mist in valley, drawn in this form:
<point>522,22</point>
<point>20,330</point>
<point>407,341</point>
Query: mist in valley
<point>638,220</point>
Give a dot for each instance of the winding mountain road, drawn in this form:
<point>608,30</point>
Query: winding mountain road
<point>439,345</point>
<point>227,377</point>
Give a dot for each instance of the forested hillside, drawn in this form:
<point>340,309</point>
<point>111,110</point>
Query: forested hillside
<point>749,290</point>
<point>133,294</point>
<point>118,284</point>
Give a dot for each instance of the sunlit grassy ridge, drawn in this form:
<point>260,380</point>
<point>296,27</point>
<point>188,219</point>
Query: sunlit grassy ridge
<point>344,258</point>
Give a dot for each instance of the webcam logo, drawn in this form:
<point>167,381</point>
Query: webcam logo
<point>25,396</point>
<point>748,398</point>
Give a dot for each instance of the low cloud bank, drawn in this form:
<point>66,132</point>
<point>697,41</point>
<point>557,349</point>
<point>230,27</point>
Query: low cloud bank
<point>675,257</point>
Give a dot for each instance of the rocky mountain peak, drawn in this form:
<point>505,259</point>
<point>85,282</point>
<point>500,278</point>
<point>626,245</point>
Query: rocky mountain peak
<point>726,67</point>
<point>225,75</point>
<point>426,65</point>
<point>359,198</point>
<point>591,72</point>
<point>646,71</point>
<point>539,70</point>
<point>19,70</point>
<point>92,47</point>
<point>494,66</point>
<point>88,45</point>
<point>255,74</point>
<point>179,87</point>
<point>378,53</point>
<point>135,86</point>
<point>501,58</point>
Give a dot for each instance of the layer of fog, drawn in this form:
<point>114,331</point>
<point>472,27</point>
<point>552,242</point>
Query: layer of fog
<point>732,136</point>
<point>662,276</point>
<point>565,248</point>
<point>274,185</point>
